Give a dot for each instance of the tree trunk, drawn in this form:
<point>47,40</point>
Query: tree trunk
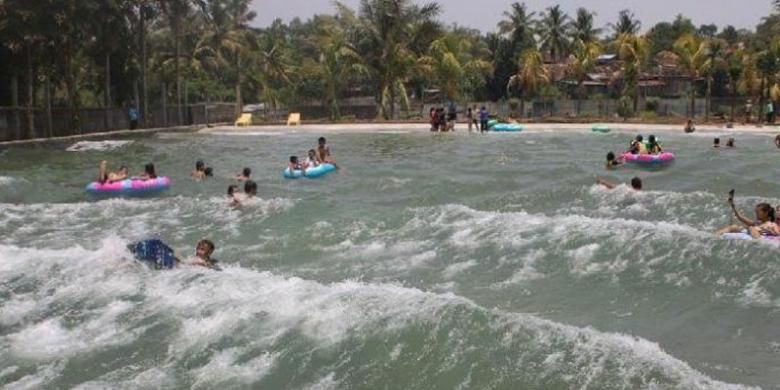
<point>144,90</point>
<point>15,104</point>
<point>177,44</point>
<point>107,93</point>
<point>708,100</point>
<point>239,97</point>
<point>392,101</point>
<point>30,94</point>
<point>522,107</point>
<point>165,104</point>
<point>580,93</point>
<point>692,90</point>
<point>47,96</point>
<point>761,101</point>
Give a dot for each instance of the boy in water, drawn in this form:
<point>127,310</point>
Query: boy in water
<point>244,175</point>
<point>730,143</point>
<point>638,146</point>
<point>311,161</point>
<point>323,152</point>
<point>716,143</point>
<point>636,184</point>
<point>203,252</point>
<point>160,256</point>
<point>201,171</point>
<point>109,177</point>
<point>612,162</point>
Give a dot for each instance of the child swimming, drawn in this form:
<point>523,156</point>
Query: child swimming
<point>612,162</point>
<point>764,225</point>
<point>244,175</point>
<point>636,183</point>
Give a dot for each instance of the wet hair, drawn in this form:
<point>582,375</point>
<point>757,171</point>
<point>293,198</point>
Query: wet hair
<point>232,190</point>
<point>716,141</point>
<point>730,142</point>
<point>246,172</point>
<point>651,139</point>
<point>200,165</point>
<point>250,187</point>
<point>321,140</point>
<point>149,170</point>
<point>208,171</point>
<point>636,183</point>
<point>639,138</point>
<point>768,209</point>
<point>207,243</point>
<point>293,159</point>
<point>610,156</point>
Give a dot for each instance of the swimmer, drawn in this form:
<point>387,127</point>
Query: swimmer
<point>612,162</point>
<point>764,225</point>
<point>160,256</point>
<point>109,177</point>
<point>716,143</point>
<point>777,141</point>
<point>730,143</point>
<point>323,152</point>
<point>244,175</point>
<point>636,184</point>
<point>295,165</point>
<point>311,161</point>
<point>232,191</point>
<point>200,172</point>
<point>638,146</point>
<point>250,189</point>
<point>653,145</point>
<point>149,172</point>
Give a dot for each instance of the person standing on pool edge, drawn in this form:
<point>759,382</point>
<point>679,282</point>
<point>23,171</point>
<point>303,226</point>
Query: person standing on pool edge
<point>323,152</point>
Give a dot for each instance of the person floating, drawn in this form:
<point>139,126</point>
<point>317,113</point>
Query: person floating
<point>244,175</point>
<point>158,255</point>
<point>311,160</point>
<point>764,225</point>
<point>636,183</point>
<point>637,146</point>
<point>105,177</point>
<point>653,146</point>
<point>690,127</point>
<point>149,173</point>
<point>201,171</point>
<point>323,152</point>
<point>612,162</point>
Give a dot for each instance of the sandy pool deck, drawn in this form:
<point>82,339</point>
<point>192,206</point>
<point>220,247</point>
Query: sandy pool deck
<point>462,129</point>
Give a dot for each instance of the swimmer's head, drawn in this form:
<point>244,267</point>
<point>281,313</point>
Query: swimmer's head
<point>232,190</point>
<point>636,183</point>
<point>651,139</point>
<point>246,172</point>
<point>250,188</point>
<point>204,249</point>
<point>716,141</point>
<point>149,170</point>
<point>610,156</point>
<point>765,212</point>
<point>312,154</point>
<point>639,138</point>
<point>322,141</point>
<point>293,159</point>
<point>208,171</point>
<point>200,165</point>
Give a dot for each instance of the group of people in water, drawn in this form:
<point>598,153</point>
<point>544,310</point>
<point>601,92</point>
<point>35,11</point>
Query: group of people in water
<point>314,158</point>
<point>444,120</point>
<point>105,176</point>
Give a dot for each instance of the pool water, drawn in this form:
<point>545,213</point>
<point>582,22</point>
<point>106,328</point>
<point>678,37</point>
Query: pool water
<point>427,262</point>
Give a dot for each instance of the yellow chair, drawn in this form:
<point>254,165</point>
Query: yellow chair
<point>244,120</point>
<point>294,119</point>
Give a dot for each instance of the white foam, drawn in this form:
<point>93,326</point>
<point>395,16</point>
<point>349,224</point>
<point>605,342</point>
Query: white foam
<point>227,364</point>
<point>453,270</point>
<point>84,146</point>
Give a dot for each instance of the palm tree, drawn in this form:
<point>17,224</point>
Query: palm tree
<point>530,78</point>
<point>449,62</point>
<point>627,23</point>
<point>583,60</point>
<point>227,36</point>
<point>582,27</point>
<point>716,50</point>
<point>553,30</point>
<point>389,29</point>
<point>177,11</point>
<point>767,65</point>
<point>692,55</point>
<point>518,26</point>
<point>735,62</point>
<point>633,50</point>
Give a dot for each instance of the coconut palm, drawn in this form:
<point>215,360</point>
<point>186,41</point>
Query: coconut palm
<point>582,29</point>
<point>553,31</point>
<point>176,13</point>
<point>583,60</point>
<point>450,63</point>
<point>716,51</point>
<point>767,65</point>
<point>627,23</point>
<point>736,66</point>
<point>633,50</point>
<point>518,27</point>
<point>530,78</point>
<point>389,29</point>
<point>692,55</point>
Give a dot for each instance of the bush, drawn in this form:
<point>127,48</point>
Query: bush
<point>652,104</point>
<point>514,104</point>
<point>649,116</point>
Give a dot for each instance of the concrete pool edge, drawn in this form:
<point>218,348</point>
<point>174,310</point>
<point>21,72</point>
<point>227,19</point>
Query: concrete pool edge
<point>107,134</point>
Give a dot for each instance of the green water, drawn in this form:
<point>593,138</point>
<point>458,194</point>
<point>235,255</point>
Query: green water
<point>427,262</point>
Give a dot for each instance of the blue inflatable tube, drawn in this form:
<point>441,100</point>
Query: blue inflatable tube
<point>744,236</point>
<point>507,127</point>
<point>311,173</point>
<point>154,253</point>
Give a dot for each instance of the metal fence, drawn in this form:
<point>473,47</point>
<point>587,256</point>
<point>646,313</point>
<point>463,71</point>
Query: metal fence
<point>19,123</point>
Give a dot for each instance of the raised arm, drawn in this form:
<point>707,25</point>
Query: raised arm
<point>746,221</point>
<point>605,183</point>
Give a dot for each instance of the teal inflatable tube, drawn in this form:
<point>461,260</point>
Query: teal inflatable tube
<point>311,173</point>
<point>507,127</point>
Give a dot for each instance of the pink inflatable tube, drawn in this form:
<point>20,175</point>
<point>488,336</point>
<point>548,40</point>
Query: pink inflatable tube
<point>130,186</point>
<point>648,159</point>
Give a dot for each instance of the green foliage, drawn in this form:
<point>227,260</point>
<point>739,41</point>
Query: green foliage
<point>652,104</point>
<point>625,107</point>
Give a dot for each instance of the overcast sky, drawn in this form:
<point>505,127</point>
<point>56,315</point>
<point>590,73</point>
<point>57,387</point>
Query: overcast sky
<point>483,14</point>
